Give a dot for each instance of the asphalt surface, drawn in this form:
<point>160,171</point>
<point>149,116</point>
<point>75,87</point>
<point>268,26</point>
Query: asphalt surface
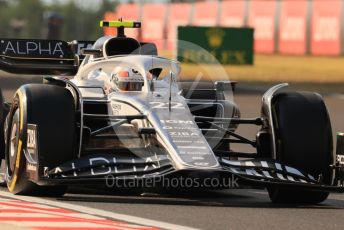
<point>229,209</point>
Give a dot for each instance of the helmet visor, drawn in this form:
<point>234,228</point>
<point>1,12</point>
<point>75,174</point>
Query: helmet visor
<point>129,86</point>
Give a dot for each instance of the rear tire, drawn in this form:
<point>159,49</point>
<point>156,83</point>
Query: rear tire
<point>304,141</point>
<point>51,109</point>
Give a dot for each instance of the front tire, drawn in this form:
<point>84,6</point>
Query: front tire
<point>303,140</point>
<point>51,109</point>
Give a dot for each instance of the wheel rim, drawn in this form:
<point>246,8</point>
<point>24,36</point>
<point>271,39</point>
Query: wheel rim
<point>13,144</point>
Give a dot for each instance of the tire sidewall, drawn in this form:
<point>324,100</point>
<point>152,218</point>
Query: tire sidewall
<point>2,120</point>
<point>17,180</point>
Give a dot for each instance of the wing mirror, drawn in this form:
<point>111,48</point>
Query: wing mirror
<point>175,68</point>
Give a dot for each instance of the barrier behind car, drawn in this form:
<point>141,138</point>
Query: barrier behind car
<point>261,18</point>
<point>281,26</point>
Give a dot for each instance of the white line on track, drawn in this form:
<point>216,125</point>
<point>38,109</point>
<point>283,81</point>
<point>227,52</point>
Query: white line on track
<point>99,212</point>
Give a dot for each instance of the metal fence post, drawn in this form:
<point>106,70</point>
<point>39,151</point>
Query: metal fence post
<point>341,36</point>
<point>277,25</point>
<point>246,13</point>
<point>309,26</point>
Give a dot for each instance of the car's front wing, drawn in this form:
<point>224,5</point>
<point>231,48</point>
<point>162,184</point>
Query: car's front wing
<point>100,167</point>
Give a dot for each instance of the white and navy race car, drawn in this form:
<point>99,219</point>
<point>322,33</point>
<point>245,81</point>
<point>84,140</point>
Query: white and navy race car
<point>125,116</point>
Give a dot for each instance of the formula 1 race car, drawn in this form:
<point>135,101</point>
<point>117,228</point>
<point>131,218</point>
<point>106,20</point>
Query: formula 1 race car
<point>124,115</point>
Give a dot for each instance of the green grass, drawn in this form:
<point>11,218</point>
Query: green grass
<point>273,68</point>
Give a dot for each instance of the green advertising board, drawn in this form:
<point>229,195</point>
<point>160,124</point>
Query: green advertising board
<point>215,45</point>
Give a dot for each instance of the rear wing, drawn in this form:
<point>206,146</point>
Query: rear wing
<point>49,57</point>
<point>37,56</point>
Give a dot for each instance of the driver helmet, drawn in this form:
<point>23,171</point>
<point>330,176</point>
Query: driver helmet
<point>127,79</point>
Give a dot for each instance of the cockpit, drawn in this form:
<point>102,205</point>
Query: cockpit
<point>130,72</point>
